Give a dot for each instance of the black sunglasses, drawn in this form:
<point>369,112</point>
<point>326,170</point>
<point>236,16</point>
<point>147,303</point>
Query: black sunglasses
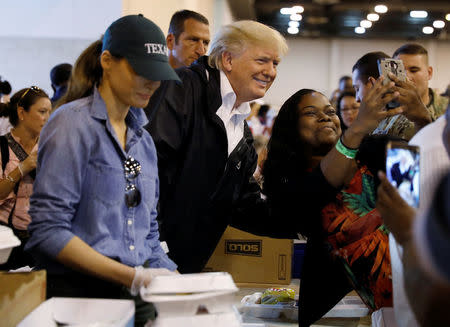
<point>32,88</point>
<point>132,169</point>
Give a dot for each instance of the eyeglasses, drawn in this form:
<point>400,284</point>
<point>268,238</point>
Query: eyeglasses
<point>32,88</point>
<point>132,169</point>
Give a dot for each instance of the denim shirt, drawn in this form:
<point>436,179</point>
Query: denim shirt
<point>80,188</point>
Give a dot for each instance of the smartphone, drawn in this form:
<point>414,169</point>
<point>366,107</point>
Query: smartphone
<point>394,66</point>
<point>403,170</point>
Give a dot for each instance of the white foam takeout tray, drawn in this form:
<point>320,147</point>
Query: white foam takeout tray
<point>7,242</point>
<point>178,298</point>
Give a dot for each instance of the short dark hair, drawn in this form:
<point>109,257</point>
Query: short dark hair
<point>367,65</point>
<point>411,49</point>
<point>176,26</point>
<point>344,78</point>
<point>60,74</point>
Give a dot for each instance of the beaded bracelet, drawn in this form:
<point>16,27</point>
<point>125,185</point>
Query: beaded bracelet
<point>347,152</point>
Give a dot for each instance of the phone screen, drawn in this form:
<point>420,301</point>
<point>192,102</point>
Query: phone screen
<point>403,171</point>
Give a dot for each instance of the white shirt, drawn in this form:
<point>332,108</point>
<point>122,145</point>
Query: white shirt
<point>233,118</point>
<point>434,163</point>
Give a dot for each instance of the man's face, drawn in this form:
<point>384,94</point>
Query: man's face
<point>192,43</point>
<point>417,70</point>
<point>252,72</point>
<point>361,88</point>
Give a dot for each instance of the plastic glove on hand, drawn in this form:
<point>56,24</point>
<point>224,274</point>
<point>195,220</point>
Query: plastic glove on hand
<point>144,276</point>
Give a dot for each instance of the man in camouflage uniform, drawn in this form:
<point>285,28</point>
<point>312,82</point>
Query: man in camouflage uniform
<point>415,60</point>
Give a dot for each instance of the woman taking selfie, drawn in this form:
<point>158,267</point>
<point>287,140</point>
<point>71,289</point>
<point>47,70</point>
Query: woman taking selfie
<point>94,212</point>
<point>28,111</point>
<point>309,161</point>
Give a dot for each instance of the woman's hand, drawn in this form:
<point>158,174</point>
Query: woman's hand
<point>373,106</point>
<point>29,163</point>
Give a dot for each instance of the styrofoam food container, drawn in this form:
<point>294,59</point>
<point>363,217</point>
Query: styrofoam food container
<point>187,305</point>
<point>7,242</point>
<point>81,312</point>
<point>270,311</point>
<point>191,283</point>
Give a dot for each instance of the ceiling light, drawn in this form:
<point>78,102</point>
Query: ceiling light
<point>447,17</point>
<point>381,9</point>
<point>294,24</point>
<point>373,17</point>
<point>298,9</point>
<point>292,30</point>
<point>439,24</point>
<point>428,30</point>
<point>296,17</point>
<point>366,23</point>
<point>286,11</point>
<point>418,14</point>
<point>360,30</point>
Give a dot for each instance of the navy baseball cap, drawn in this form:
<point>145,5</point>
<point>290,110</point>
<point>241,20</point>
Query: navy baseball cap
<point>143,44</point>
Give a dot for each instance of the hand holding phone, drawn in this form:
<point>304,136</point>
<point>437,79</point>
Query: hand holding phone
<point>394,66</point>
<point>403,170</point>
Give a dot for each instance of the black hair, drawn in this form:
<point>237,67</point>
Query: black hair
<point>338,106</point>
<point>367,65</point>
<point>176,26</point>
<point>411,49</point>
<point>286,151</point>
<point>344,78</point>
<point>24,98</point>
<point>263,110</point>
<point>60,74</point>
<point>372,153</point>
<point>5,87</point>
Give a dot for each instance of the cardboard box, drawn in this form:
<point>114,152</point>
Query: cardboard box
<point>20,293</point>
<point>81,312</point>
<point>253,260</point>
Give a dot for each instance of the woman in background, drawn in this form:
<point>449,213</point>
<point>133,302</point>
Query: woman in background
<point>347,108</point>
<point>28,111</point>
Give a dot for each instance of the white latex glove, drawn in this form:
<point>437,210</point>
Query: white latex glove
<point>144,276</point>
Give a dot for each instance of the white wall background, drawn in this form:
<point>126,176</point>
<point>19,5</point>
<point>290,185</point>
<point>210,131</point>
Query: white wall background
<point>318,64</point>
<point>36,35</point>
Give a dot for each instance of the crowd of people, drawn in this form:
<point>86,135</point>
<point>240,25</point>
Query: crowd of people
<point>147,139</point>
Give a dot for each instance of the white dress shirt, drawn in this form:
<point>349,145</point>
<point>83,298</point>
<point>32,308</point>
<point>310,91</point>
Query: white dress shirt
<point>233,118</point>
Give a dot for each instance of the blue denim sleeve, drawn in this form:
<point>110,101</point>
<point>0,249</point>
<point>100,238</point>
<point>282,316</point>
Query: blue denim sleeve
<point>62,157</point>
<point>159,257</point>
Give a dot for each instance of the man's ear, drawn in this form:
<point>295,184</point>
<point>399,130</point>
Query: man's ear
<point>170,40</point>
<point>227,61</point>
<point>430,72</point>
<point>371,80</point>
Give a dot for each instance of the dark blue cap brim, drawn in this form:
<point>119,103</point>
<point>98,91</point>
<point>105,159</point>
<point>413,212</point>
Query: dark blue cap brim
<point>154,70</point>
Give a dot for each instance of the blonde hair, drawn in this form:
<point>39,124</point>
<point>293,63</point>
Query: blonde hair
<point>236,36</point>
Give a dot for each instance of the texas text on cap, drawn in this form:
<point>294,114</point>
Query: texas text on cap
<point>143,44</point>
